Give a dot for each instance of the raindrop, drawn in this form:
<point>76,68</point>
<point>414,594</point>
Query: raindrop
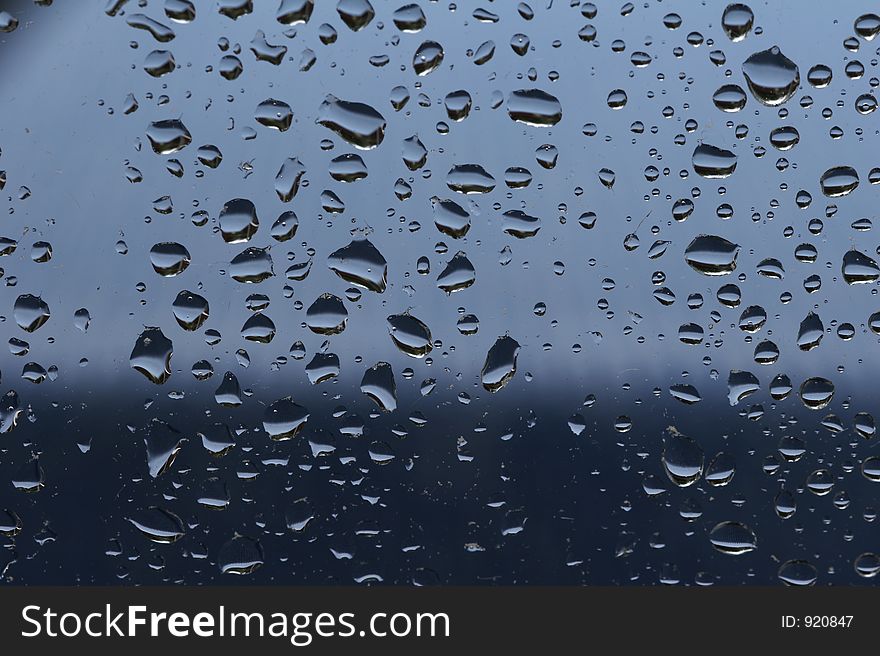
<point>772,77</point>
<point>733,538</point>
<point>500,365</point>
<point>151,355</point>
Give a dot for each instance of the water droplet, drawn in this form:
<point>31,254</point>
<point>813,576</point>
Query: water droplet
<point>459,274</point>
<point>816,393</point>
<point>327,315</point>
<point>238,221</point>
<point>294,12</point>
<point>378,384</point>
<point>151,355</point>
<point>159,525</point>
<point>772,77</point>
<point>450,217</point>
<point>682,458</point>
<point>240,556</point>
<point>730,98</point>
<point>30,312</point>
<point>288,178</point>
<point>427,57</point>
<point>867,26</point>
<point>190,310</point>
<point>520,225</point>
<point>839,181</point>
<point>168,136</point>
<point>797,573</point>
<point>470,179</point>
<point>711,255</point>
<point>252,265</point>
<point>410,335</point>
<point>733,538</point>
<point>713,162</point>
<point>858,268</point>
<point>360,263</point>
<point>356,14</point>
<point>169,258</point>
<point>500,365</point>
<point>534,107</point>
<point>284,419</point>
<point>737,21</point>
<point>274,114</point>
<point>357,123</point>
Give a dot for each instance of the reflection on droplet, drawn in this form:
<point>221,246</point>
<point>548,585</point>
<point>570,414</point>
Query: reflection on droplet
<point>427,57</point>
<point>459,274</point>
<point>252,265</point>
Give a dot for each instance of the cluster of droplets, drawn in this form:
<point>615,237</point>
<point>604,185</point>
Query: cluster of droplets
<point>361,270</point>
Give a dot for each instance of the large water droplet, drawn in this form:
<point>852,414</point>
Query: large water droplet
<point>168,136</point>
<point>858,268</point>
<point>713,162</point>
<point>357,123</point>
<point>733,538</point>
<point>459,274</point>
<point>682,458</point>
<point>238,221</point>
<point>283,419</point>
<point>410,334</point>
<point>772,77</point>
<point>839,181</point>
<point>711,255</point>
<point>360,263</point>
<point>500,365</point>
<point>151,355</point>
<point>737,21</point>
<point>378,384</point>
<point>30,312</point>
<point>190,310</point>
<point>534,107</point>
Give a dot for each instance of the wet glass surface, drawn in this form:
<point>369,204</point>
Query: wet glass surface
<point>496,292</point>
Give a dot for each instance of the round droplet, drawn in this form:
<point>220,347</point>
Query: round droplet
<point>169,258</point>
<point>737,21</point>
